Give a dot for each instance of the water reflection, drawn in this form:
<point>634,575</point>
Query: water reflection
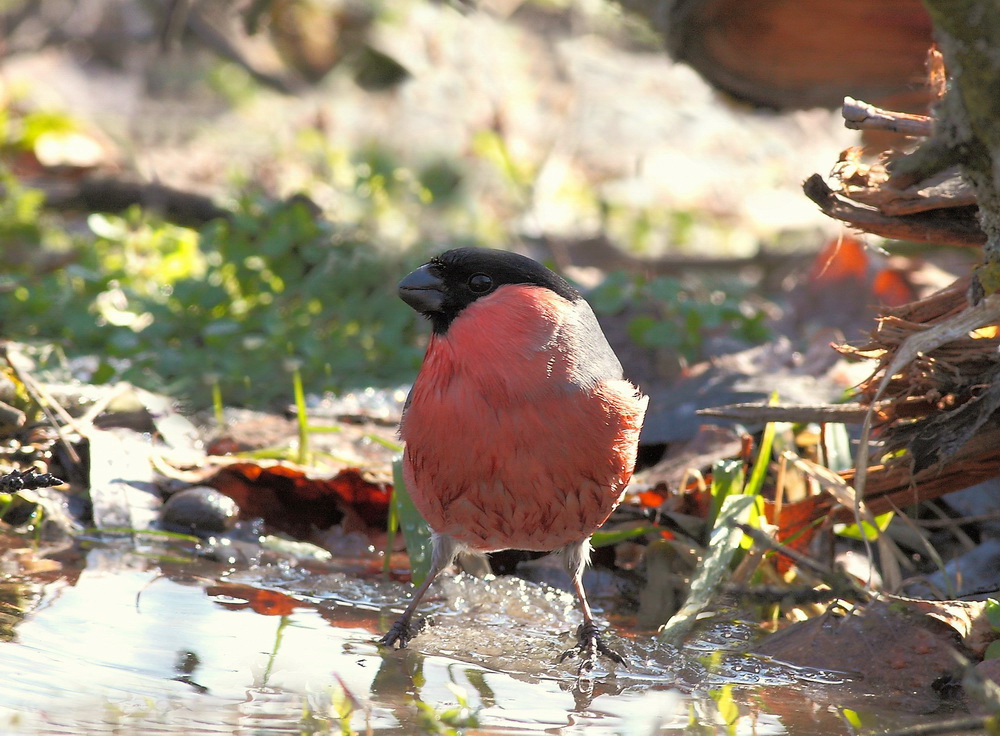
<point>141,643</point>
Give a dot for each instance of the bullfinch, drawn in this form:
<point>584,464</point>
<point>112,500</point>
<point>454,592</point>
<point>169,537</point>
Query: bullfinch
<point>520,430</point>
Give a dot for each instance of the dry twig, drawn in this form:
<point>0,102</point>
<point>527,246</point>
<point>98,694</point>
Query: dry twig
<point>859,115</point>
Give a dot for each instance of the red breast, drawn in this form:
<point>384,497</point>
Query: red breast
<point>516,436</point>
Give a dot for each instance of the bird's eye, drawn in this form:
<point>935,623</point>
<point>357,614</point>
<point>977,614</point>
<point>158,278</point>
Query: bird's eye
<point>480,283</point>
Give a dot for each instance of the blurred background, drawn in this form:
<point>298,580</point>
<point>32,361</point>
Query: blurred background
<point>204,194</point>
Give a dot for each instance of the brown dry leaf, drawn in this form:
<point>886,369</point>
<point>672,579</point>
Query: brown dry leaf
<point>892,288</point>
<point>795,526</point>
<point>841,260</point>
<point>854,173</point>
<point>968,618</point>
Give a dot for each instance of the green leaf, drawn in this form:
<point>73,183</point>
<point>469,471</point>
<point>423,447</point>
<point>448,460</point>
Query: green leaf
<point>851,531</point>
<point>727,480</point>
<point>729,711</point>
<point>329,429</point>
<point>756,519</point>
<point>660,334</point>
<point>664,289</point>
<point>36,124</point>
<point>712,569</point>
<point>838,447</point>
<point>415,530</point>
<point>852,718</point>
<point>993,613</point>
<point>993,650</point>
<point>639,326</point>
<point>387,444</point>
<point>108,227</point>
<point>612,295</point>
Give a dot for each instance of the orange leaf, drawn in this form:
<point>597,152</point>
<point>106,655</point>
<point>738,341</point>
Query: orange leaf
<point>795,526</point>
<point>264,602</point>
<point>651,499</point>
<point>843,259</point>
<point>892,288</point>
<point>289,501</point>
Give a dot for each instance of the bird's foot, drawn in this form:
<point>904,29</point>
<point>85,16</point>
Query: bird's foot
<point>402,632</point>
<point>589,647</point>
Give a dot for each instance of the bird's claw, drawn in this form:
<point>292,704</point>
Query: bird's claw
<point>589,647</point>
<point>402,632</point>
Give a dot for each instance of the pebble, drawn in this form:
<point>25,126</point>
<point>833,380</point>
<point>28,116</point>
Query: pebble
<point>200,510</point>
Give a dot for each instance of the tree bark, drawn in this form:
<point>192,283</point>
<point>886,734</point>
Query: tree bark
<point>967,120</point>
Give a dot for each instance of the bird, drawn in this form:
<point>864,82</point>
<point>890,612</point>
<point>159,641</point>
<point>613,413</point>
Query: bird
<point>520,431</point>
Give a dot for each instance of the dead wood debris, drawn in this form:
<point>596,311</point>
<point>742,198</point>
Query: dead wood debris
<point>860,115</point>
<point>873,197</point>
<point>938,404</point>
<point>28,479</point>
<point>945,379</point>
<point>753,412</point>
<point>952,225</point>
<point>940,409</point>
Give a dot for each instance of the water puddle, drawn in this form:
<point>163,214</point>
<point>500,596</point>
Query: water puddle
<point>128,642</point>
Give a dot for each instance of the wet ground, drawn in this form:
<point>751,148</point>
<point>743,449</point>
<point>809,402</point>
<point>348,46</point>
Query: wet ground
<point>142,637</point>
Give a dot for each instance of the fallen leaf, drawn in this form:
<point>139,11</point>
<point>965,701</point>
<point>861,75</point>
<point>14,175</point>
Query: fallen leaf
<point>289,501</point>
<point>264,602</point>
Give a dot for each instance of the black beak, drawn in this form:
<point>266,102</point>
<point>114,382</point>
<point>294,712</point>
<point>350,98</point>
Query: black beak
<point>423,290</point>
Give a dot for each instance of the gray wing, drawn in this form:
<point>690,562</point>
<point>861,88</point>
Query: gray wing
<point>596,362</point>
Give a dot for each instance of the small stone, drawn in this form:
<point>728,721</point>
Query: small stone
<point>200,510</point>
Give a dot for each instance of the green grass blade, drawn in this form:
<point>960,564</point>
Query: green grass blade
<point>324,429</point>
<point>759,472</point>
<point>840,454</point>
<point>606,539</point>
<point>302,416</point>
<point>220,417</point>
<point>387,444</point>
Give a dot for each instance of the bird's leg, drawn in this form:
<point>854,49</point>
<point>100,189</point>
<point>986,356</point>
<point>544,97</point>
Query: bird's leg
<point>443,551</point>
<point>590,644</point>
<point>403,630</point>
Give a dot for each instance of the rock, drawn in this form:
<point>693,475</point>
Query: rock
<point>199,510</point>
